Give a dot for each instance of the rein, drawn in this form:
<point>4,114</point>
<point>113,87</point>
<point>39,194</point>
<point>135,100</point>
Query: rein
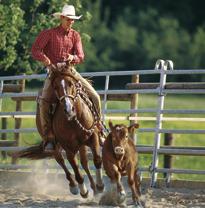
<point>80,93</point>
<point>65,96</point>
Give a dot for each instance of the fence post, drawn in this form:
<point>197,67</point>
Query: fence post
<point>18,120</point>
<point>4,135</point>
<point>3,125</point>
<point>159,66</point>
<point>168,139</point>
<point>104,105</point>
<point>134,105</point>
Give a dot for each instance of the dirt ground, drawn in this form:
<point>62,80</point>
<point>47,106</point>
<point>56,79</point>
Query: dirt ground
<point>31,190</point>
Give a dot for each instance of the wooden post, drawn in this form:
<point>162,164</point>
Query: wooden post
<point>134,105</point>
<point>18,120</point>
<point>168,138</point>
<point>4,135</point>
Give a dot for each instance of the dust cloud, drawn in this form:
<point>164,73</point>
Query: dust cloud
<point>43,188</point>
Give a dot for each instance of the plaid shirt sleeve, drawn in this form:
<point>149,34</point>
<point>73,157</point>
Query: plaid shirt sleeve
<point>39,44</point>
<point>78,50</point>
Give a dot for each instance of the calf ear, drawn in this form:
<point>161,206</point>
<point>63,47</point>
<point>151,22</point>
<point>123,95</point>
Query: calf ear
<point>110,124</point>
<point>132,127</point>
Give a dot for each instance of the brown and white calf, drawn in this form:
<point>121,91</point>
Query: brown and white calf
<point>120,158</point>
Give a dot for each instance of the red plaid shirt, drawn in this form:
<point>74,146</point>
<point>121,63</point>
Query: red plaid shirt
<point>57,44</point>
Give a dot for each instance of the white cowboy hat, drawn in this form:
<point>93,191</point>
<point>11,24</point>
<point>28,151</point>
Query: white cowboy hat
<point>67,11</point>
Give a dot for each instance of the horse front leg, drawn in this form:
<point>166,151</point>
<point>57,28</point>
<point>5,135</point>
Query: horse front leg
<point>78,176</point>
<point>97,160</point>
<point>60,160</point>
<point>84,163</point>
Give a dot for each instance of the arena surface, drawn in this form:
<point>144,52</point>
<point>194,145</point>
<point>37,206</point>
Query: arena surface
<point>31,190</point>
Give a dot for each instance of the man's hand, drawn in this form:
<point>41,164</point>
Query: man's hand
<point>47,62</point>
<point>70,58</point>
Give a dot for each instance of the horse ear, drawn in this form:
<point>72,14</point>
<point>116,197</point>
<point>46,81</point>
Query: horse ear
<point>110,124</point>
<point>132,127</point>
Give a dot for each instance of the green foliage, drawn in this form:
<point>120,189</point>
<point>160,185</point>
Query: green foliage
<point>99,46</point>
<point>198,48</point>
<point>127,35</point>
<point>11,24</point>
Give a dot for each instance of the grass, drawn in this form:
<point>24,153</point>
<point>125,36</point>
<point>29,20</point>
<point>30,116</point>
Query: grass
<point>145,101</point>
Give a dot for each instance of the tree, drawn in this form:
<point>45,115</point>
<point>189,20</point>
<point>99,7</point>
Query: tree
<point>11,25</point>
<point>27,19</point>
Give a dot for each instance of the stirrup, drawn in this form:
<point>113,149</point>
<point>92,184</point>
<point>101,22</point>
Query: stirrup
<point>101,127</point>
<point>101,132</point>
<point>49,147</point>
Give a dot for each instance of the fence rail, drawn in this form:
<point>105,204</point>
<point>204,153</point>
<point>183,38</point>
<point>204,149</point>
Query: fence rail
<point>130,90</point>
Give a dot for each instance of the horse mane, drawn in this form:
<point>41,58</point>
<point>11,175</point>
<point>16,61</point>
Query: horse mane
<point>65,72</point>
<point>57,73</point>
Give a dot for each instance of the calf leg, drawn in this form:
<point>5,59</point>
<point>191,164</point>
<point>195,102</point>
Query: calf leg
<point>120,189</point>
<point>115,177</point>
<point>137,183</point>
<point>131,181</point>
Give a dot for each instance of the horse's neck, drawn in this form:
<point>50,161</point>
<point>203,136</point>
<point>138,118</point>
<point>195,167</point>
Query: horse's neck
<point>84,113</point>
<point>79,105</point>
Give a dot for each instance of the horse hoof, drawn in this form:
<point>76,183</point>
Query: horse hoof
<point>121,197</point>
<point>100,188</point>
<point>74,190</point>
<point>85,195</point>
<point>138,204</point>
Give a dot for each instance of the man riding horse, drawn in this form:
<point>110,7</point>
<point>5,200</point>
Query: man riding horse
<point>61,44</point>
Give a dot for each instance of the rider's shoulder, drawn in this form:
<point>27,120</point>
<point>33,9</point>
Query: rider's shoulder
<point>47,31</point>
<point>75,32</point>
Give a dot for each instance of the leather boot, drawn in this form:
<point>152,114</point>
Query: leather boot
<point>46,124</point>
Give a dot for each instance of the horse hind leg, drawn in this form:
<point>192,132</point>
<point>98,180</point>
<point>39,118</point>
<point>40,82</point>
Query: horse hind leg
<point>72,184</point>
<point>84,163</point>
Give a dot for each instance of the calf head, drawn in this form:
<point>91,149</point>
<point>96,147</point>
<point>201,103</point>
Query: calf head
<point>120,136</point>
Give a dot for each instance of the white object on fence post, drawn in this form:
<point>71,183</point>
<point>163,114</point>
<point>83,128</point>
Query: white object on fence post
<point>105,96</point>
<point>1,91</point>
<point>162,66</point>
<point>159,64</point>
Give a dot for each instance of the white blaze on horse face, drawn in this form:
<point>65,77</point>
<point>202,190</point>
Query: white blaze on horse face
<point>68,104</point>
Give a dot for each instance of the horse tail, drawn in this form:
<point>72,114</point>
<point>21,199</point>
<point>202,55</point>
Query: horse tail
<point>33,153</point>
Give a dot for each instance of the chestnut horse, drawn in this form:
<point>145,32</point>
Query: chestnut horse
<point>74,125</point>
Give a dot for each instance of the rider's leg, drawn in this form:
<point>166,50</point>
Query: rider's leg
<point>45,116</point>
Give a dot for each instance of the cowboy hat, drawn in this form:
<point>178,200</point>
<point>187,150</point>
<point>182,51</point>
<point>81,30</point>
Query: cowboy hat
<point>67,11</point>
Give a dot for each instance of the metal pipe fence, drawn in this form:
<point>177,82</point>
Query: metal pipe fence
<point>164,69</point>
